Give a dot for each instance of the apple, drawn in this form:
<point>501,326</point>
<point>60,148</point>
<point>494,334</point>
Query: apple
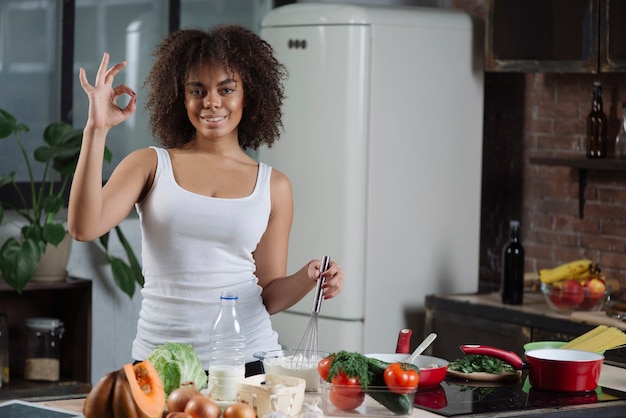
<point>595,286</point>
<point>568,295</point>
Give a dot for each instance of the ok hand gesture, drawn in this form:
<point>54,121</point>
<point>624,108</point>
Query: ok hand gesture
<point>104,112</point>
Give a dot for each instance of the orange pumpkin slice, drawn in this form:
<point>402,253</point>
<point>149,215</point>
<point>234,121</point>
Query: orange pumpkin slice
<point>134,391</point>
<point>146,388</point>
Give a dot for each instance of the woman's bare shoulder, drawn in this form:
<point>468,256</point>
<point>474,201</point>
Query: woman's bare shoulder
<point>280,181</point>
<point>141,158</point>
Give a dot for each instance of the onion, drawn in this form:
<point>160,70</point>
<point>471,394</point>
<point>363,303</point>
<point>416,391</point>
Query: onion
<point>202,407</point>
<point>178,415</point>
<point>239,410</point>
<point>179,398</point>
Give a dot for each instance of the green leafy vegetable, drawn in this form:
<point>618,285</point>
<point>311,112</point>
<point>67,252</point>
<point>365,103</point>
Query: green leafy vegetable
<point>473,363</point>
<point>352,365</point>
<point>176,364</point>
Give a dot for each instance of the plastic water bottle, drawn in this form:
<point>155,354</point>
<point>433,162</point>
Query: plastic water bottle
<point>227,350</point>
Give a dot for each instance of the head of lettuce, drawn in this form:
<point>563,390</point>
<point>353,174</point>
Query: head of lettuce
<point>178,364</point>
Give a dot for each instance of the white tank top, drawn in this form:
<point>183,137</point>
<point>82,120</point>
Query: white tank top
<point>193,248</point>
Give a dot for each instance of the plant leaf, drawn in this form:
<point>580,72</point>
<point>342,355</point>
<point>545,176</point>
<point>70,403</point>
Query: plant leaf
<point>123,275</point>
<point>34,233</point>
<point>57,133</point>
<point>53,204</point>
<point>104,240</point>
<point>53,233</point>
<point>7,179</point>
<point>134,264</point>
<point>9,125</point>
<point>18,262</point>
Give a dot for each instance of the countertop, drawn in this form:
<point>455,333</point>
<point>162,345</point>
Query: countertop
<point>611,377</point>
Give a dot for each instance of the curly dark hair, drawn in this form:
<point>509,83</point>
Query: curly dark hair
<point>239,50</point>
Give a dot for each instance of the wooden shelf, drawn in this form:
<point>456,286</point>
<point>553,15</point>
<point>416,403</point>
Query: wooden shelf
<point>582,164</point>
<point>68,300</point>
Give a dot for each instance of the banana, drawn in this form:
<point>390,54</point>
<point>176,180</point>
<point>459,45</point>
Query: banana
<point>576,269</point>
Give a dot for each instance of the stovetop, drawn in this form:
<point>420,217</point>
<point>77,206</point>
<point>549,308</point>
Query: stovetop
<point>458,397</point>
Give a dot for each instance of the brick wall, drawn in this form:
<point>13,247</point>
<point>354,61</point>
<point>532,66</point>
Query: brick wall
<point>528,114</point>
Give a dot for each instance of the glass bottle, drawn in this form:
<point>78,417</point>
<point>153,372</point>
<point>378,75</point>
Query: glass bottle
<point>620,139</point>
<point>4,350</point>
<point>513,268</point>
<point>227,350</point>
<point>596,125</point>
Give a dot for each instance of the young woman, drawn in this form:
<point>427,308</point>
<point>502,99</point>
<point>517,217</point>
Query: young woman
<point>212,218</point>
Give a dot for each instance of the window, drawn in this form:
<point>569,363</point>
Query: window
<point>43,43</point>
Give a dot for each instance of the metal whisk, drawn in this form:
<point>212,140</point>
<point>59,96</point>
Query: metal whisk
<point>307,349</point>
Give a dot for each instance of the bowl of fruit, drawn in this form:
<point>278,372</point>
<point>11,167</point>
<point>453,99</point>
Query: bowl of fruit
<point>575,286</point>
<point>575,295</point>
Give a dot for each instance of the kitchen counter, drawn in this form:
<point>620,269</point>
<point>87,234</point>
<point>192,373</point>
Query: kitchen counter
<point>611,377</point>
<point>483,319</point>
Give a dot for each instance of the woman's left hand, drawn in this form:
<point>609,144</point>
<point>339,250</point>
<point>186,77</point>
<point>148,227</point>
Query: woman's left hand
<point>333,277</point>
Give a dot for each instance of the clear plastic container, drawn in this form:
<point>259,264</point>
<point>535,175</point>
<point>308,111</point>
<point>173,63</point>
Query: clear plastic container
<point>375,401</point>
<point>42,354</point>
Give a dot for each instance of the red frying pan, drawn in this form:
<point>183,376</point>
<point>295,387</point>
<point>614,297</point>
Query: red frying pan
<point>554,369</point>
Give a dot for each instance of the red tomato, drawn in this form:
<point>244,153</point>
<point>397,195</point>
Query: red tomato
<point>401,378</point>
<point>323,367</point>
<point>346,384</point>
<point>345,401</point>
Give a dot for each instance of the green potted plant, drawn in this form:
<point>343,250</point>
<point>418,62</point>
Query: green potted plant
<point>19,258</point>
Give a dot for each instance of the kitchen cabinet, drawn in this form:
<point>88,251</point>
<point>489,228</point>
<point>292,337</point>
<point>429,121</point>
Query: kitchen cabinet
<point>70,301</point>
<point>582,164</point>
<point>484,319</point>
<point>555,36</point>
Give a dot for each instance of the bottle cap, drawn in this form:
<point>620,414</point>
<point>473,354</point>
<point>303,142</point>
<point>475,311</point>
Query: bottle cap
<point>226,295</point>
<point>514,224</point>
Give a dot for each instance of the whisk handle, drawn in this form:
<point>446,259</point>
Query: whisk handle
<point>319,291</point>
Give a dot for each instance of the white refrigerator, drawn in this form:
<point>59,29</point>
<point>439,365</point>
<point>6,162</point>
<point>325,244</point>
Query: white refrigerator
<point>383,146</point>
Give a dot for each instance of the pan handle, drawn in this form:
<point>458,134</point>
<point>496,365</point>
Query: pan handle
<point>507,356</point>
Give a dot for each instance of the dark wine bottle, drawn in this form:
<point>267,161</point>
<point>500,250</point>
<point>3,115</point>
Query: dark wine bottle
<point>596,125</point>
<point>513,268</point>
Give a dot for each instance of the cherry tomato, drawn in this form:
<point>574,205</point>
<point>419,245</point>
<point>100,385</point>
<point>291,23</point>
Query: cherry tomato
<point>323,367</point>
<point>401,378</point>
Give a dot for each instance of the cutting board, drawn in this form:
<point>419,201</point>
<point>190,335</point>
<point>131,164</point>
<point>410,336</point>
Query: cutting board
<point>597,318</point>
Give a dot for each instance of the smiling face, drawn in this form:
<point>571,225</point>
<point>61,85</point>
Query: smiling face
<point>214,99</point>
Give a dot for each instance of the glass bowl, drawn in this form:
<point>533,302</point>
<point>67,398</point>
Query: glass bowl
<point>567,297</point>
<point>293,363</point>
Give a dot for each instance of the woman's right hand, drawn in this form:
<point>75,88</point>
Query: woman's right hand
<point>104,112</point>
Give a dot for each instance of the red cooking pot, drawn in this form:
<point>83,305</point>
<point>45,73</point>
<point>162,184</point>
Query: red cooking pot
<point>554,369</point>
